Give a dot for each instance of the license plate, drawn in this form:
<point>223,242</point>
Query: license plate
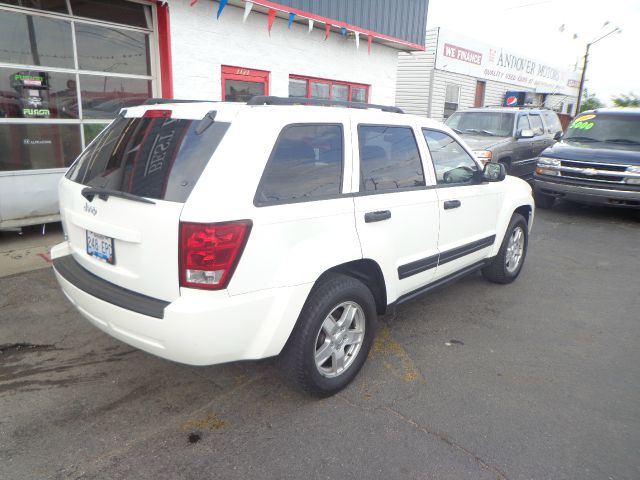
<point>101,247</point>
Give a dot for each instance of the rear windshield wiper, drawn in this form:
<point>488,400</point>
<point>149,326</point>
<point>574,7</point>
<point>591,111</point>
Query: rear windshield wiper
<point>104,193</point>
<point>622,140</point>
<point>456,130</point>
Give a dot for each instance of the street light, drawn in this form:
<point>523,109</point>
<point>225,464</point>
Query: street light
<point>584,65</point>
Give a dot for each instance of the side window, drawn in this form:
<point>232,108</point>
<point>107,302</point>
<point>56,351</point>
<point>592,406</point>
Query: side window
<point>523,123</point>
<point>305,164</point>
<point>536,124</point>
<point>553,124</point>
<point>451,162</point>
<point>389,158</point>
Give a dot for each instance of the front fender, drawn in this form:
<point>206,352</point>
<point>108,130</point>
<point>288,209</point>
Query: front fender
<point>517,195</point>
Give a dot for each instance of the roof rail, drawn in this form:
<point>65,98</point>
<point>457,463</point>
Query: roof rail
<point>160,101</point>
<point>512,106</point>
<point>270,100</point>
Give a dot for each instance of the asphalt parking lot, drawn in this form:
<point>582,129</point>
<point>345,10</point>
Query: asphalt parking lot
<point>542,381</point>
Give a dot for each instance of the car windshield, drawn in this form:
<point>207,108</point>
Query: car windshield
<point>612,131</point>
<point>482,123</point>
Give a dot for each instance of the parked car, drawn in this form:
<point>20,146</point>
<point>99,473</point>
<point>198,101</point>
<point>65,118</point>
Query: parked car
<point>212,232</point>
<point>511,136</point>
<point>598,161</point>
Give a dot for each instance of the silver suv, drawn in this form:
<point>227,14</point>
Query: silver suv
<point>511,136</point>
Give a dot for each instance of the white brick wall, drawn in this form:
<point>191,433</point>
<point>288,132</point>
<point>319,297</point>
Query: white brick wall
<point>200,44</point>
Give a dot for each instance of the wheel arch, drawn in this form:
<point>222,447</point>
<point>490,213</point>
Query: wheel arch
<point>368,272</point>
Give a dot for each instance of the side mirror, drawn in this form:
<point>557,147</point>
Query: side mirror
<point>494,172</point>
<point>526,133</point>
<point>558,136</point>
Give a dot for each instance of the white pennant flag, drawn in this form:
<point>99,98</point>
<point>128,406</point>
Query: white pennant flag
<point>357,40</point>
<point>310,25</point>
<point>247,8</point>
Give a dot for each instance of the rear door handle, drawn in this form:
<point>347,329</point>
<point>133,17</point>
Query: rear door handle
<point>449,204</point>
<point>377,216</point>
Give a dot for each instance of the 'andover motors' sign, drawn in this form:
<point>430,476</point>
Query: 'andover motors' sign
<point>458,54</point>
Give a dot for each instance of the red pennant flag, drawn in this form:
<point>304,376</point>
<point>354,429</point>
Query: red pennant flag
<point>193,2</point>
<point>370,41</point>
<point>272,17</point>
<point>327,30</point>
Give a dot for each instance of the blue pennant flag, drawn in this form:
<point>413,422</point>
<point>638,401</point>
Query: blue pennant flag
<point>223,3</point>
<point>291,17</point>
<point>343,31</point>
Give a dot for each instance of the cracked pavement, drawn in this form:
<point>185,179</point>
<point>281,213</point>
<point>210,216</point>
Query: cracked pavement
<point>541,381</point>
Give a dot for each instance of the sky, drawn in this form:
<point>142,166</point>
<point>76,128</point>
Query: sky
<point>532,28</point>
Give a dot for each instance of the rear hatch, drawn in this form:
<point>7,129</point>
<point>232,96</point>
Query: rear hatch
<point>121,200</point>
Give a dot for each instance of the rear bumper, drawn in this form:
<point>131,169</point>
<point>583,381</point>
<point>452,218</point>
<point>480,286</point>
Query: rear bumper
<point>198,328</point>
<point>586,193</point>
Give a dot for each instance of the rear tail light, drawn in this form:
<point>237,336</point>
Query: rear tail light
<point>209,253</point>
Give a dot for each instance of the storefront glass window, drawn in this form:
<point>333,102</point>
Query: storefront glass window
<point>358,94</point>
<point>38,146</point>
<point>340,92</point>
<point>241,91</point>
<point>36,94</point>
<point>58,6</point>
<point>297,88</point>
<point>43,79</point>
<point>35,40</point>
<point>112,50</point>
<point>92,130</point>
<point>319,90</point>
<point>103,97</point>
<point>327,89</point>
<point>115,11</point>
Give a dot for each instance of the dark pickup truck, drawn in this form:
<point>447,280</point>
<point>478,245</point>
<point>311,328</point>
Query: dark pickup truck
<point>598,161</point>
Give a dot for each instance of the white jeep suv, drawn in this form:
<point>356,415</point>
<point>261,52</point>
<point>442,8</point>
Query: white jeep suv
<point>207,232</point>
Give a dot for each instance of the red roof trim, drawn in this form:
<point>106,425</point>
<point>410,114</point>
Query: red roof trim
<point>337,23</point>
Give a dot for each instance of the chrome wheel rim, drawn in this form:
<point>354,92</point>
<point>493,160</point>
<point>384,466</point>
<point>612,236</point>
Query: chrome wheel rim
<point>515,250</point>
<point>339,339</point>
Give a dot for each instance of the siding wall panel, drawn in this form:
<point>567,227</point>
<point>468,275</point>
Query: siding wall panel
<point>403,19</point>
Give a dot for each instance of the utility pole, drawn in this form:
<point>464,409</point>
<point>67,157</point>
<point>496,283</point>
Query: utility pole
<point>584,66</point>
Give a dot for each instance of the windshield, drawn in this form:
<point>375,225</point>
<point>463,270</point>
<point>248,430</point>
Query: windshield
<point>159,158</point>
<point>483,123</point>
<point>610,131</point>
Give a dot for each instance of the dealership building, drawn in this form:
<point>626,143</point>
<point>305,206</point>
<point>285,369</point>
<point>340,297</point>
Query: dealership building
<point>67,67</point>
<point>455,72</point>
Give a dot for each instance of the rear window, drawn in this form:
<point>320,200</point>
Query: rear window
<point>159,158</point>
<point>552,121</point>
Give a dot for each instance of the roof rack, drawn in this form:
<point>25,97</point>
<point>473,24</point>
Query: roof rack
<point>270,100</point>
<point>160,101</point>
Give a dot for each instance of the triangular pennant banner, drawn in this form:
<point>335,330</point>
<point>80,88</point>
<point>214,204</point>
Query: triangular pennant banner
<point>327,30</point>
<point>223,3</point>
<point>343,31</point>
<point>193,2</point>
<point>357,39</point>
<point>247,8</point>
<point>291,17</point>
<point>370,41</point>
<point>272,17</point>
<point>310,25</point>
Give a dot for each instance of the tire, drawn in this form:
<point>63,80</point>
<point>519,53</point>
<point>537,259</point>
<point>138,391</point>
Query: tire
<point>336,296</point>
<point>543,201</point>
<point>507,265</point>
